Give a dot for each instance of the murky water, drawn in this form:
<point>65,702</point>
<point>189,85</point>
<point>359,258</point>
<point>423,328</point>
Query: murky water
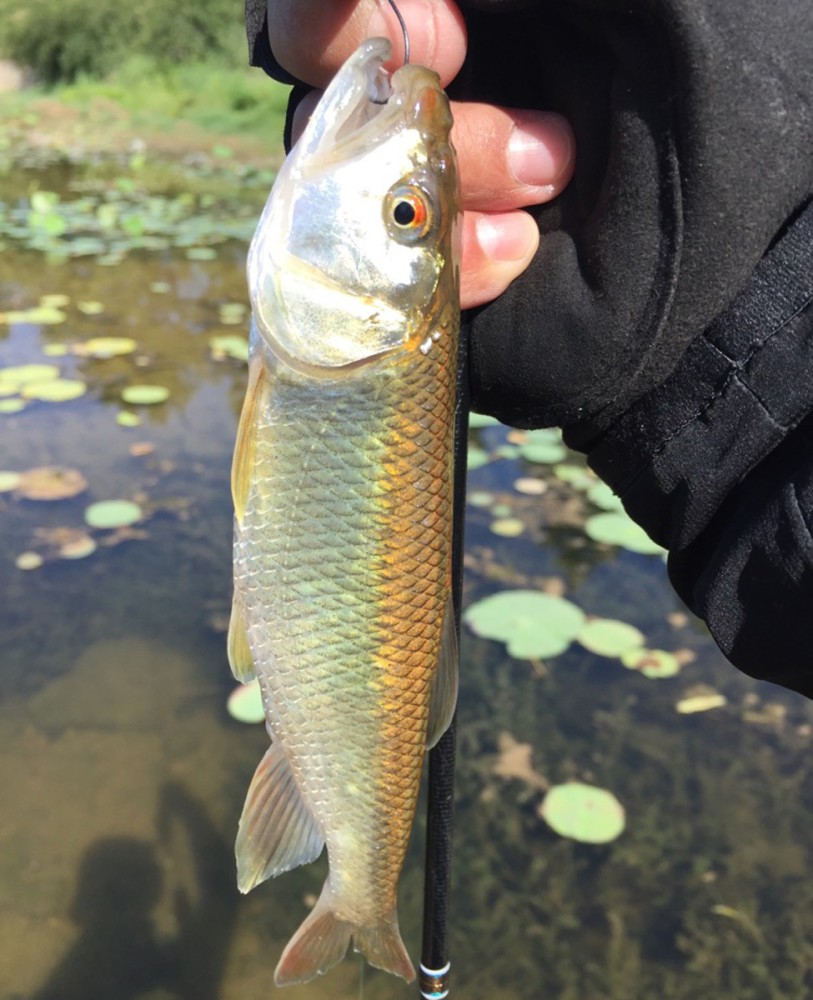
<point>123,776</point>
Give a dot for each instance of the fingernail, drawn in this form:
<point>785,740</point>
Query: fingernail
<point>507,235</point>
<point>540,149</point>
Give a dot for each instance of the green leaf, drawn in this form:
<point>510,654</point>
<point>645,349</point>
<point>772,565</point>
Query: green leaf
<point>145,395</point>
<point>602,496</point>
<point>608,637</point>
<point>654,663</point>
<point>616,528</point>
<point>229,345</point>
<point>543,446</point>
<point>477,420</point>
<point>20,375</point>
<point>583,812</point>
<point>245,703</point>
<point>9,481</point>
<point>507,527</point>
<point>106,347</point>
<point>475,457</point>
<point>57,390</point>
<point>127,419</point>
<point>533,625</point>
<point>113,513</point>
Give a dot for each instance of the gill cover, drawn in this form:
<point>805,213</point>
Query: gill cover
<point>347,255</point>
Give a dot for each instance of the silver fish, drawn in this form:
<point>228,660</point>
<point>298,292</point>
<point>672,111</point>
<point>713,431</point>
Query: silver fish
<point>342,484</point>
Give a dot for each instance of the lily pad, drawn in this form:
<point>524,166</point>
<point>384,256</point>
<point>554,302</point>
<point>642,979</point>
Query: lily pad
<point>480,498</point>
<point>577,476</point>
<point>703,701</point>
<point>530,486</point>
<point>602,496</point>
<point>583,812</point>
<point>245,703</point>
<point>113,513</point>
<point>654,663</point>
<point>29,560</point>
<point>127,419</point>
<point>475,457</point>
<point>477,420</point>
<point>533,625</point>
<point>232,313</point>
<point>9,481</point>
<point>11,405</point>
<point>20,375</point>
<point>544,446</point>
<point>608,637</point>
<point>145,395</point>
<point>229,346</point>
<point>616,528</point>
<point>79,546</point>
<point>56,390</point>
<point>37,316</point>
<point>55,300</point>
<point>51,482</point>
<point>90,307</point>
<point>105,347</point>
<point>507,527</point>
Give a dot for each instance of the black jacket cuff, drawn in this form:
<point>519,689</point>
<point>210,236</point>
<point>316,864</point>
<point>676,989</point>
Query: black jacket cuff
<point>717,465</point>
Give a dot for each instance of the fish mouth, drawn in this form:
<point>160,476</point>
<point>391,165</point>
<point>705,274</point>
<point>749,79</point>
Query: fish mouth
<point>364,102</point>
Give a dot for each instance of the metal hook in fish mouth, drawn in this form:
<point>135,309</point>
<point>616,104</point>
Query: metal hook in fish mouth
<point>403,30</point>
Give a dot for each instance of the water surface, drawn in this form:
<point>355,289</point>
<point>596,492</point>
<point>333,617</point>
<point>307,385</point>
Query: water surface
<point>123,776</point>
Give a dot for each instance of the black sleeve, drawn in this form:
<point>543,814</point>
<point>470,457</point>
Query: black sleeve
<point>666,321</point>
<point>259,46</point>
<point>717,465</point>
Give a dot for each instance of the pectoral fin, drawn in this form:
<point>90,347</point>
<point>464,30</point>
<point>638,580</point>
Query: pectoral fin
<point>277,832</point>
<point>245,446</point>
<point>444,685</point>
<point>237,647</point>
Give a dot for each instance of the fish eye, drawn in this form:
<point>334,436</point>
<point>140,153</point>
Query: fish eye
<point>408,212</point>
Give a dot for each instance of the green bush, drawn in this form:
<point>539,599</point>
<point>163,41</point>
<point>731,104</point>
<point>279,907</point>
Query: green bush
<point>60,40</point>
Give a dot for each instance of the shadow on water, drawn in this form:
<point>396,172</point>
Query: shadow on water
<point>119,953</point>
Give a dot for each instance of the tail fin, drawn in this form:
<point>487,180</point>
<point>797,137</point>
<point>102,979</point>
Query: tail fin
<point>382,947</point>
<point>323,939</point>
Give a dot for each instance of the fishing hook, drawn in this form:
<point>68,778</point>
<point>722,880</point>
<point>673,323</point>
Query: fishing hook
<point>403,30</point>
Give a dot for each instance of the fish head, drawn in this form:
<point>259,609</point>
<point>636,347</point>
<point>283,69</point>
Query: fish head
<point>356,250</point>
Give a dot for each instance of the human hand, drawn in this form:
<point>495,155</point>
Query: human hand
<point>507,158</point>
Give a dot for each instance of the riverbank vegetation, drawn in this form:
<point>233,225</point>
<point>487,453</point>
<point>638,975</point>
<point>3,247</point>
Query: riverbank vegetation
<point>166,70</point>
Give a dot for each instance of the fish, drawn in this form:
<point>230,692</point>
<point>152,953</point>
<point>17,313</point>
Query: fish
<point>342,483</point>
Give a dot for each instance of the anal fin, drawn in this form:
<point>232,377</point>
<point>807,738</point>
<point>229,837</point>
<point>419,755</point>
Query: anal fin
<point>277,831</point>
<point>444,684</point>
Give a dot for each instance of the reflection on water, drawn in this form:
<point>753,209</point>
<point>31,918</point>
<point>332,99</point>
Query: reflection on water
<point>123,777</point>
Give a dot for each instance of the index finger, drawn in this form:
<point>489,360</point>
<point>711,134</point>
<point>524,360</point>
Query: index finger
<point>311,39</point>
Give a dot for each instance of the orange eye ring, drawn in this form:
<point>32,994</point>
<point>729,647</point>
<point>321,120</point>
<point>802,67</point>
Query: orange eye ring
<point>409,212</point>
